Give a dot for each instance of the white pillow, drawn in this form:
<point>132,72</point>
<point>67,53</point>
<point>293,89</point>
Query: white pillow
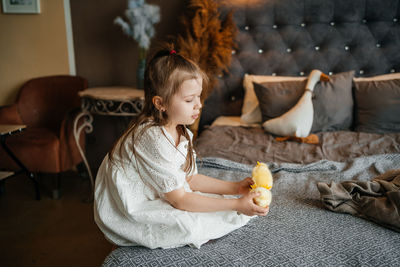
<point>299,119</point>
<point>383,77</point>
<point>251,112</point>
<point>233,121</point>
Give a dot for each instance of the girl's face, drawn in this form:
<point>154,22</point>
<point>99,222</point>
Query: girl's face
<point>185,105</point>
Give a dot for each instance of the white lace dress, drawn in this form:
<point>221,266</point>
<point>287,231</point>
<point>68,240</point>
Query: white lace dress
<point>129,207</point>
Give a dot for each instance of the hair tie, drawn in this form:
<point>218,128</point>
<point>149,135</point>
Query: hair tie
<point>172,52</point>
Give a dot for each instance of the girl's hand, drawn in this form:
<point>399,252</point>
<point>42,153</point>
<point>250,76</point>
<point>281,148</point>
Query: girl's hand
<point>244,186</point>
<point>247,206</point>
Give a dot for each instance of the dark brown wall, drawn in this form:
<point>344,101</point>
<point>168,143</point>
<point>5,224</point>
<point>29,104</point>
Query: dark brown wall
<point>103,54</point>
<point>107,57</point>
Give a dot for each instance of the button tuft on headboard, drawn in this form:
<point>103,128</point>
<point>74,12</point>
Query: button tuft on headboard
<point>292,37</point>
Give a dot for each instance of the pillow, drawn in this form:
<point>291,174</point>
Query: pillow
<point>332,101</point>
<point>382,77</point>
<point>334,104</point>
<point>377,103</point>
<point>296,122</point>
<point>233,121</point>
<point>251,112</point>
<point>276,98</point>
<point>299,119</point>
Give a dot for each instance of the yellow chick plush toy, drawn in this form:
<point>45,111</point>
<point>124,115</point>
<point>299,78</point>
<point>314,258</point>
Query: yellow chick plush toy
<point>263,182</point>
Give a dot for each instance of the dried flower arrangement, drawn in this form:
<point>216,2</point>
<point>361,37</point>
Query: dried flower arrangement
<point>208,40</point>
<point>140,27</point>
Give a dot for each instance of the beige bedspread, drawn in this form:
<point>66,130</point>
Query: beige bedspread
<point>249,145</point>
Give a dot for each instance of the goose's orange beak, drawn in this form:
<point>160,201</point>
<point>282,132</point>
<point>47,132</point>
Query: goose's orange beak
<point>324,77</point>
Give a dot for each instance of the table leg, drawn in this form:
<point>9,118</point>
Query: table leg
<point>2,186</point>
<point>88,127</point>
<point>30,174</point>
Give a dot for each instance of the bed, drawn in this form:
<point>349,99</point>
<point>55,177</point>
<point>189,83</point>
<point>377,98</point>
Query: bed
<point>327,197</point>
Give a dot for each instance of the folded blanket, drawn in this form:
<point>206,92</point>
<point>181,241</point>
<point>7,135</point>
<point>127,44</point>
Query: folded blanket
<point>377,200</point>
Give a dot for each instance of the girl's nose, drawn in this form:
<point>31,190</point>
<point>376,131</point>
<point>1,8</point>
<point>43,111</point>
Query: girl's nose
<point>198,104</point>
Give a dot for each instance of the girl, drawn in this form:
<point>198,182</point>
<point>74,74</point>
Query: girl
<point>147,188</point>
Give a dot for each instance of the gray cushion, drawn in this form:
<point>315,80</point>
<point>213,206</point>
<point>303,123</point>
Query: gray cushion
<point>332,101</point>
<point>377,106</point>
<point>276,98</point>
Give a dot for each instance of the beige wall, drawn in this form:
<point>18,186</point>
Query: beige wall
<point>31,46</point>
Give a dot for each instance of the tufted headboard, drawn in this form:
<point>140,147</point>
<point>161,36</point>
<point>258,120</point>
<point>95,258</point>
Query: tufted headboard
<point>292,37</point>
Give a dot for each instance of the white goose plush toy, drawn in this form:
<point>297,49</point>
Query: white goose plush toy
<point>297,122</point>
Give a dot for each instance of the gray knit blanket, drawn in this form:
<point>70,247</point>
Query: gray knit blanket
<point>298,231</point>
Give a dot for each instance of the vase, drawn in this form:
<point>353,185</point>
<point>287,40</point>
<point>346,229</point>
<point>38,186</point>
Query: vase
<point>140,73</point>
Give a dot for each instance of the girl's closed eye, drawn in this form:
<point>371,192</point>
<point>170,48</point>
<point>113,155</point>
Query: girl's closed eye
<point>191,99</point>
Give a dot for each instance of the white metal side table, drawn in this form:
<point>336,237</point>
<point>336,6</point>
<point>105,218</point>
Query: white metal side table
<point>108,101</point>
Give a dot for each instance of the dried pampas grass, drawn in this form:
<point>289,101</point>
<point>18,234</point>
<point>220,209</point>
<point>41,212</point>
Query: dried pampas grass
<point>208,40</point>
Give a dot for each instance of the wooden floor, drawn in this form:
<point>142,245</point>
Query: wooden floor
<point>49,232</point>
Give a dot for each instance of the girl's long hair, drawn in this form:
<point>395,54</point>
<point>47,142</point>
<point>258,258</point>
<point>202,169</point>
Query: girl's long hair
<point>164,75</point>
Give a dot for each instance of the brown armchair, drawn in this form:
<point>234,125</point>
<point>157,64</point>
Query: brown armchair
<point>47,106</point>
